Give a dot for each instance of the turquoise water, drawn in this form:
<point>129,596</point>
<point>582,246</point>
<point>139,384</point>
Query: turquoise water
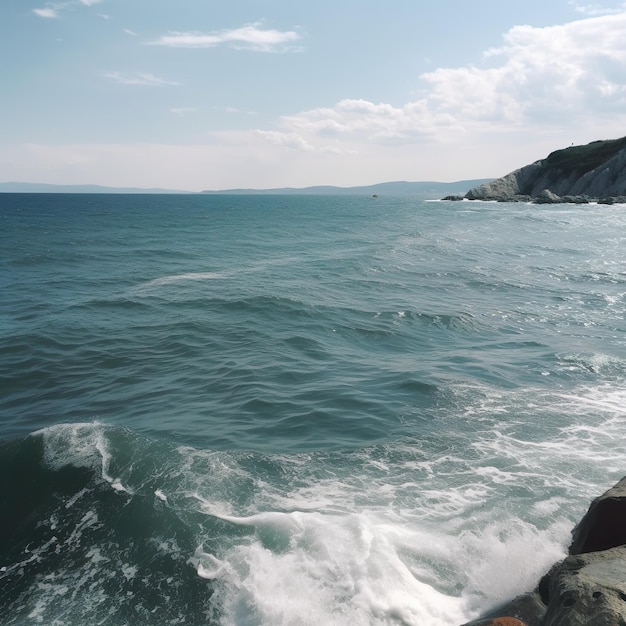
<point>260,410</point>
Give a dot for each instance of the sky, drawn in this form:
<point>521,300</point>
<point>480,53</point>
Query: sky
<point>200,94</point>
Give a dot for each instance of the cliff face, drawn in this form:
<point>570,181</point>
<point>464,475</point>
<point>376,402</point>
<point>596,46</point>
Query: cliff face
<point>579,173</point>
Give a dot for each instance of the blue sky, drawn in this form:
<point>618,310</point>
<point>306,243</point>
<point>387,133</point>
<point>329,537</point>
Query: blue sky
<point>198,94</point>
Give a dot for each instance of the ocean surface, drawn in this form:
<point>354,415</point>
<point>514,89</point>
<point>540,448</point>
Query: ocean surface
<point>300,410</point>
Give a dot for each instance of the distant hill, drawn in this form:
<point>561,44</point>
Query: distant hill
<point>398,188</point>
<point>13,187</point>
<point>595,171</point>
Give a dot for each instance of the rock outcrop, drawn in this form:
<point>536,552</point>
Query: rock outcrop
<point>604,525</point>
<point>589,586</point>
<point>596,171</point>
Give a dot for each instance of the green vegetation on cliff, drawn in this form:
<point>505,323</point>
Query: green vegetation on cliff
<point>579,160</point>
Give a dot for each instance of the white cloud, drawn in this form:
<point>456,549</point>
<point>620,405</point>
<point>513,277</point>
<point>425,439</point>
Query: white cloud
<point>363,120</point>
<point>183,110</point>
<point>596,9</point>
<point>53,9</point>
<point>233,110</point>
<point>48,12</point>
<point>248,37</point>
<point>141,78</point>
<point>132,33</point>
<point>561,73</point>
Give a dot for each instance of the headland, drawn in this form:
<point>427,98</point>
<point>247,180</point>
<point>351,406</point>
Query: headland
<point>595,172</point>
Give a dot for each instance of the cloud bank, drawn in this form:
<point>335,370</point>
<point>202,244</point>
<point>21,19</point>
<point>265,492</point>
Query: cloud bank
<point>540,80</point>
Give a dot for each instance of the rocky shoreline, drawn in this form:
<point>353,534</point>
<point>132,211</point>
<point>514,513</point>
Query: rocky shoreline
<point>595,172</point>
<point>589,586</point>
<point>546,197</point>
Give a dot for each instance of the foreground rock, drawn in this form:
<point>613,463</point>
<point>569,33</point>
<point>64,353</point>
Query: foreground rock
<point>579,174</point>
<point>589,586</point>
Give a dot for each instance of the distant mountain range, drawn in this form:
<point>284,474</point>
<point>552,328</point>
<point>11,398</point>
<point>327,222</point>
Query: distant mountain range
<point>13,187</point>
<point>398,188</point>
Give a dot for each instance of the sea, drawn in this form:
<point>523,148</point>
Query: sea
<point>300,410</point>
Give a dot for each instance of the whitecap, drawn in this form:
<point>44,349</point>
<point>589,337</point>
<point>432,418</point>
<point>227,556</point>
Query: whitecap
<point>80,445</point>
<point>325,569</point>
